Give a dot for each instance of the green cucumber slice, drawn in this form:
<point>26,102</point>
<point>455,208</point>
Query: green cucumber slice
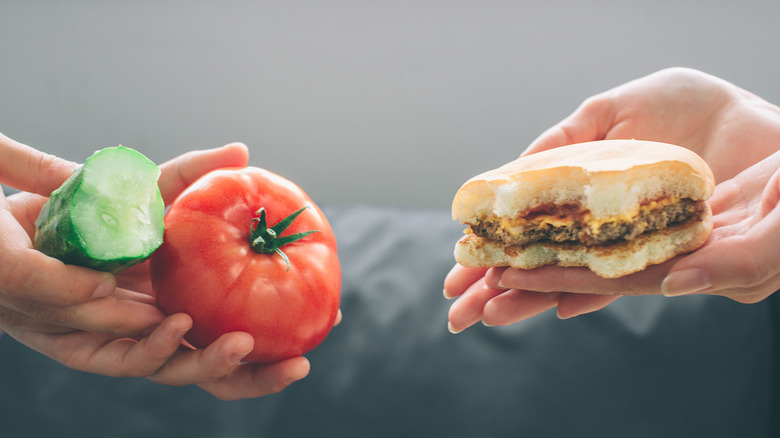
<point>107,216</point>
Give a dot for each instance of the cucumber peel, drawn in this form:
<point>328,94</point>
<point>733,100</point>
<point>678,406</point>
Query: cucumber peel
<point>107,216</point>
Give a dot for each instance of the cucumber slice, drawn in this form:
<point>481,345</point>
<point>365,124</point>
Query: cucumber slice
<point>107,216</point>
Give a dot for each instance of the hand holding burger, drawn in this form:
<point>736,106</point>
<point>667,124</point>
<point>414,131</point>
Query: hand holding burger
<point>734,131</point>
<point>614,206</point>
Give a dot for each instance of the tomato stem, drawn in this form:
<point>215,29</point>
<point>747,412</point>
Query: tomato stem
<point>266,240</point>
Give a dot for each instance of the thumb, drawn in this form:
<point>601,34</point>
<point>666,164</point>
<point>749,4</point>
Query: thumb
<point>178,173</point>
<point>30,275</point>
<point>30,170</point>
<point>590,121</point>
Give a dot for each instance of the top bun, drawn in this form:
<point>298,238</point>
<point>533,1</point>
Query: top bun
<point>607,177</point>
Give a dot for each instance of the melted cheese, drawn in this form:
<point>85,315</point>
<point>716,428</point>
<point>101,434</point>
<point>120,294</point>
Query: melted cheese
<point>596,224</point>
<point>516,226</point>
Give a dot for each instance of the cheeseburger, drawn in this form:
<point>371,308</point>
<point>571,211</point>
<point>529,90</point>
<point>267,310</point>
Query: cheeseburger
<point>614,206</point>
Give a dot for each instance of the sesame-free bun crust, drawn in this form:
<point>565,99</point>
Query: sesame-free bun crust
<point>608,178</point>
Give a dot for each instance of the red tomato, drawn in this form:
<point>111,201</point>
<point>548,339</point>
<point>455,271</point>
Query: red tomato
<point>207,267</point>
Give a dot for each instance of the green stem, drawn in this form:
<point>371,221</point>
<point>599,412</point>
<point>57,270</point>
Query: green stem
<point>266,240</point>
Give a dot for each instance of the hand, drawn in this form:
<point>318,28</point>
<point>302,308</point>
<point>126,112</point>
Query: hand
<point>52,307</point>
<point>731,128</point>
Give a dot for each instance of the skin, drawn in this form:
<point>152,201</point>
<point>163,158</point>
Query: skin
<point>104,324</point>
<point>736,132</point>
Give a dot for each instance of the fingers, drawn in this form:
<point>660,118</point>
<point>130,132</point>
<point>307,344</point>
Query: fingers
<point>178,173</point>
<point>459,279</point>
<point>25,208</point>
<point>108,355</point>
<point>770,198</point>
<point>218,370</point>
<point>30,170</point>
<point>29,274</point>
<point>53,296</point>
<point>467,310</point>
<point>11,317</point>
<point>571,305</point>
<point>494,307</point>
<point>741,260</point>
<point>125,357</point>
<point>26,273</point>
<point>254,380</point>
<point>205,364</point>
<point>743,266</point>
<point>503,296</point>
<point>579,280</point>
<point>532,292</point>
<point>161,358</point>
<point>125,313</point>
<point>517,305</point>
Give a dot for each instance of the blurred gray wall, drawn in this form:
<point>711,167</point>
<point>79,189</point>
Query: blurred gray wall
<point>360,102</point>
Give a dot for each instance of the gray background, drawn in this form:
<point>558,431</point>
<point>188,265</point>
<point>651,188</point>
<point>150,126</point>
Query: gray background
<point>390,103</point>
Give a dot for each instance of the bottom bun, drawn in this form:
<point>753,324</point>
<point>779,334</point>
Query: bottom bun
<point>608,261</point>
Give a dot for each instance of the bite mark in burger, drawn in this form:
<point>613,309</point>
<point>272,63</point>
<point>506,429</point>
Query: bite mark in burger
<point>614,206</point>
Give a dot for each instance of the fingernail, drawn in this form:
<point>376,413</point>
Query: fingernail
<point>105,288</point>
<point>565,317</point>
<point>686,282</point>
<point>237,357</point>
<point>486,324</point>
<point>452,329</point>
<point>446,295</point>
<point>498,286</point>
<point>178,335</point>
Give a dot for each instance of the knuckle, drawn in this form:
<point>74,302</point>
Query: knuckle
<point>70,358</point>
<point>151,366</point>
<point>10,317</point>
<point>19,278</point>
<point>276,384</point>
<point>14,278</point>
<point>134,365</point>
<point>597,104</point>
<point>22,274</point>
<point>43,312</point>
<point>215,372</point>
<point>38,163</point>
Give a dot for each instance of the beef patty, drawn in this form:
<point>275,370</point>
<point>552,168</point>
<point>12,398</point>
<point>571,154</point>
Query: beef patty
<point>569,226</point>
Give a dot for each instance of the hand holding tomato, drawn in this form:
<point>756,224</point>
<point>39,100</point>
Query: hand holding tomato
<point>125,334</point>
<point>246,250</point>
